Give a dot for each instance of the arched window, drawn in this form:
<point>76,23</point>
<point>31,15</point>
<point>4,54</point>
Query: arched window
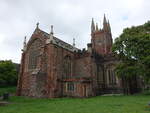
<point>67,67</point>
<point>111,76</point>
<point>34,54</point>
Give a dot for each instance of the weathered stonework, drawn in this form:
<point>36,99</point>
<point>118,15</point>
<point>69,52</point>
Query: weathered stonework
<point>53,68</point>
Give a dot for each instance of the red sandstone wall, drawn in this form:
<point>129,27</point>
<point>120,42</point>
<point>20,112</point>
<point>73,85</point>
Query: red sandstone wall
<point>55,67</point>
<point>83,67</point>
<point>102,42</point>
<point>49,81</point>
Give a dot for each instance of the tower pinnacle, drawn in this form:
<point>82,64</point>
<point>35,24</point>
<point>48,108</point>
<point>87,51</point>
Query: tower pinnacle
<point>101,39</point>
<point>74,42</point>
<point>92,26</point>
<point>24,44</point>
<point>105,24</point>
<point>109,28</point>
<point>104,20</point>
<point>37,25</point>
<point>96,26</point>
<point>51,30</point>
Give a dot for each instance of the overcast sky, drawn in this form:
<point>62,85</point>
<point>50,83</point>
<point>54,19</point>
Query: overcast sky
<point>71,19</point>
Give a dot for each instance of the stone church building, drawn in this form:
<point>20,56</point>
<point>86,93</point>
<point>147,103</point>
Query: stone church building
<point>53,68</point>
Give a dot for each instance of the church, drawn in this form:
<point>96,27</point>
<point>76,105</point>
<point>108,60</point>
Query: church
<point>52,68</point>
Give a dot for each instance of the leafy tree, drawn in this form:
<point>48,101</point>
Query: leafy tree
<point>8,73</point>
<point>133,49</point>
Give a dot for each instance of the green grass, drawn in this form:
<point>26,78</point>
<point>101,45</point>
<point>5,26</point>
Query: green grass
<point>9,89</point>
<point>100,104</point>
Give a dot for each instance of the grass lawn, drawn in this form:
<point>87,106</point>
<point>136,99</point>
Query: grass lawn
<point>100,104</point>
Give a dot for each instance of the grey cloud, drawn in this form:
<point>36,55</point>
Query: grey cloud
<point>71,19</point>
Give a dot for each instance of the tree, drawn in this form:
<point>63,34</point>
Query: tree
<point>133,49</point>
<point>8,73</point>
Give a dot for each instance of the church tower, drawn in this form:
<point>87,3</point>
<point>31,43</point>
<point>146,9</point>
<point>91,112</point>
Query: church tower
<point>101,39</point>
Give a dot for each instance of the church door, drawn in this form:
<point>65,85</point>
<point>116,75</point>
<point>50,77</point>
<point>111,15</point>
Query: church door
<point>85,93</point>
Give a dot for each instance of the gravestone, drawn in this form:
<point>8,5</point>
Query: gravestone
<point>5,96</point>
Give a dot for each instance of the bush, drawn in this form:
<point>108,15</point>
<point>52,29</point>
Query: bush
<point>9,89</point>
<point>146,92</point>
<point>8,73</point>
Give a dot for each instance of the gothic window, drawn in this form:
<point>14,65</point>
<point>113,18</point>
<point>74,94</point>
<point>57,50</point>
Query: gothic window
<point>34,54</point>
<point>100,74</point>
<point>67,67</point>
<point>111,76</point>
<point>70,86</point>
<point>114,77</point>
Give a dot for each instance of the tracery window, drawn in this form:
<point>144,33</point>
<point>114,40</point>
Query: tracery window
<point>100,74</point>
<point>67,67</point>
<point>34,54</point>
<point>111,76</point>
